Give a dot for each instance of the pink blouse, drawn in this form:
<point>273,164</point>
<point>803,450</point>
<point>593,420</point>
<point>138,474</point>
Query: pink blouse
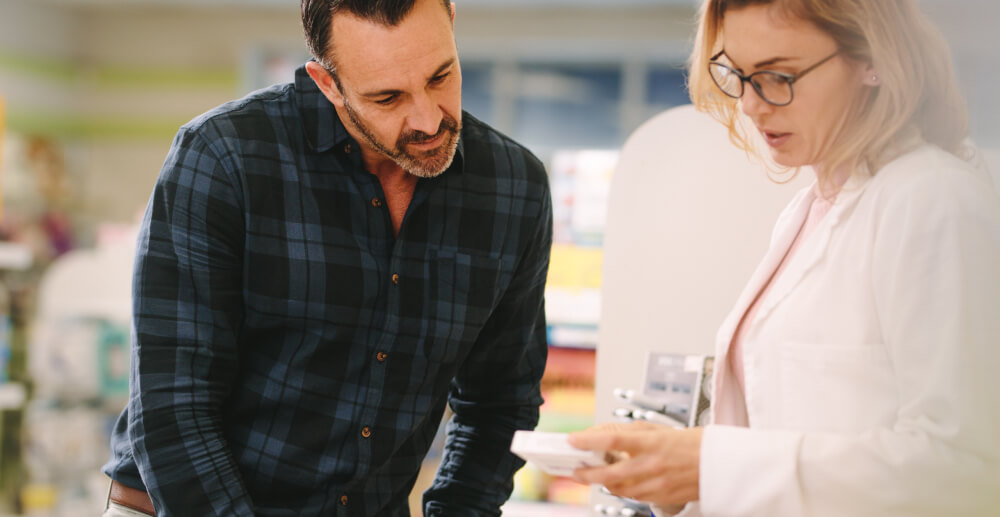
<point>817,210</point>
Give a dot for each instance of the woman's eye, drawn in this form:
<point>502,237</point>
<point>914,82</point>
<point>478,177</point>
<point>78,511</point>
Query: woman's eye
<point>774,79</point>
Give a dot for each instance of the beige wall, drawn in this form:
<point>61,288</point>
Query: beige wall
<point>121,53</point>
<point>115,173</point>
<point>120,172</point>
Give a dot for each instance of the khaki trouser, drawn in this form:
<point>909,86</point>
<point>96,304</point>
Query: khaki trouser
<point>117,510</point>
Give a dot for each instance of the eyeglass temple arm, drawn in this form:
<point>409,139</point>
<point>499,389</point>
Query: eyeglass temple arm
<point>796,77</point>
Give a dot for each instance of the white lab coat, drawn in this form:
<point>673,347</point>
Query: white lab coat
<point>873,365</point>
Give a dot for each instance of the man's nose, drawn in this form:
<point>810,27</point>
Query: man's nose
<point>426,115</point>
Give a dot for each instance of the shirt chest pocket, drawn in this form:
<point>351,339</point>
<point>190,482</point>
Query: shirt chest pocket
<point>836,388</point>
<point>462,291</point>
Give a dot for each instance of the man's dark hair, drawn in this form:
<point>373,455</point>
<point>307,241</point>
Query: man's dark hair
<point>317,18</point>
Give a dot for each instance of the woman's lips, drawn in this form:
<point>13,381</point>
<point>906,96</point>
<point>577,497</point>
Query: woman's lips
<point>775,139</point>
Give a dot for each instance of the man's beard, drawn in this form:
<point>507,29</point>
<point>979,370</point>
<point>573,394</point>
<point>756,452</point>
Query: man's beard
<point>424,164</point>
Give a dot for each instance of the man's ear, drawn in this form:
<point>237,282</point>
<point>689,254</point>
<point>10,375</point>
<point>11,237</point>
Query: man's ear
<point>325,82</point>
<point>453,13</point>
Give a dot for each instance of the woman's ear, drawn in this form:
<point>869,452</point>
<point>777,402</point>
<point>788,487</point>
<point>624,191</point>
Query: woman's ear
<point>869,76</point>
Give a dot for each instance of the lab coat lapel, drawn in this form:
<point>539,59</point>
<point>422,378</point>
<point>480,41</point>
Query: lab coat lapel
<point>786,228</point>
<point>726,406</point>
<point>813,249</point>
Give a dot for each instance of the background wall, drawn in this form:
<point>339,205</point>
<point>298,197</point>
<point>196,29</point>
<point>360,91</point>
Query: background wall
<point>115,79</point>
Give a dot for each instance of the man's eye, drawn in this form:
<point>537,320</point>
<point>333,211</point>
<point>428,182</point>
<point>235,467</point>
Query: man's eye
<point>439,79</point>
<point>386,101</point>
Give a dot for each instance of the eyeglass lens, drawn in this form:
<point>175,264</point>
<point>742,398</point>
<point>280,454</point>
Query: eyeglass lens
<point>772,87</point>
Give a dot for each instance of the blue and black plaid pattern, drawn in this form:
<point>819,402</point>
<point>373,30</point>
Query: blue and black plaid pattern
<point>292,358</point>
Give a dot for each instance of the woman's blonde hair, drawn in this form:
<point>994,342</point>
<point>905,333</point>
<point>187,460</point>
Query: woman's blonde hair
<point>918,93</point>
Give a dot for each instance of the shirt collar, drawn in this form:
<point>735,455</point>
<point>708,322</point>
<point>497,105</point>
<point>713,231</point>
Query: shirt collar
<point>458,165</point>
<point>323,127</point>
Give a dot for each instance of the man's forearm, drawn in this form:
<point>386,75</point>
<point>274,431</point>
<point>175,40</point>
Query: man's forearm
<point>477,470</point>
<point>184,460</point>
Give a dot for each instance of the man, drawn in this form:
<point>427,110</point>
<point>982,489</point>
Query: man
<point>323,266</point>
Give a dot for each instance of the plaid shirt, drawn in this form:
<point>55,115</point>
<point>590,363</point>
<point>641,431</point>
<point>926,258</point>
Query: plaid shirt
<point>292,358</point>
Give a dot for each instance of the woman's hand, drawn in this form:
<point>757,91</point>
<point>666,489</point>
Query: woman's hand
<point>659,464</point>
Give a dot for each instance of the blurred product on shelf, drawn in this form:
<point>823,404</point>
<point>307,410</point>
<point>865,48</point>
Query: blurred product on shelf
<point>37,197</point>
<point>572,295</point>
<point>80,347</point>
<point>5,335</point>
<point>581,181</point>
<point>3,128</point>
<point>568,389</point>
<point>78,362</point>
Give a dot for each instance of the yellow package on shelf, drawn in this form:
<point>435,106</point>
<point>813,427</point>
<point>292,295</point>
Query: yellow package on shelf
<point>575,267</point>
<point>3,126</point>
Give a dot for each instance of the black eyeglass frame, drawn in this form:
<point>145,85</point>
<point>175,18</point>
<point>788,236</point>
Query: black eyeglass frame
<point>790,79</point>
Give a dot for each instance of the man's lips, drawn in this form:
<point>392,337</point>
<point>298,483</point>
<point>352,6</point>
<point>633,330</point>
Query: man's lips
<point>432,142</point>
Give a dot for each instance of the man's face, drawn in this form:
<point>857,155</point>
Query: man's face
<point>400,90</point>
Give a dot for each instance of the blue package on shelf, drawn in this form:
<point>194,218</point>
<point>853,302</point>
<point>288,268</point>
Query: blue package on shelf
<point>5,347</point>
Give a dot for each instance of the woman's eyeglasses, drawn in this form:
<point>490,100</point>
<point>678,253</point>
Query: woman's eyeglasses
<point>774,87</point>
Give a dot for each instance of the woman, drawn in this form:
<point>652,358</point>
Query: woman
<point>858,372</point>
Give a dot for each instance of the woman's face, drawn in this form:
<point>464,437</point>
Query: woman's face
<point>761,38</point>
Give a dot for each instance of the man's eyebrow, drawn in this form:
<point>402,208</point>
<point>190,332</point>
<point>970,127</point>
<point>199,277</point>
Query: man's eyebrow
<point>382,93</point>
<point>443,67</point>
<point>386,93</point>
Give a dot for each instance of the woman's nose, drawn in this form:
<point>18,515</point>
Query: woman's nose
<point>752,104</point>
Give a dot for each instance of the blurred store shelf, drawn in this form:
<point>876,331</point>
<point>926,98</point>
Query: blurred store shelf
<point>14,256</point>
<point>525,509</point>
<point>12,395</point>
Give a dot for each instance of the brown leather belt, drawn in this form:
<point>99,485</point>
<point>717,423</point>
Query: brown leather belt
<point>131,498</point>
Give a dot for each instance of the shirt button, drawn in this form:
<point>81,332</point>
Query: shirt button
<point>347,148</point>
<point>343,500</point>
<point>395,278</point>
<point>376,202</point>
<point>381,356</point>
<point>366,432</point>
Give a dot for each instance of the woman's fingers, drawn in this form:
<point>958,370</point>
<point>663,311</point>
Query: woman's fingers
<point>614,474</point>
<point>673,485</point>
<point>663,466</point>
<point>611,437</point>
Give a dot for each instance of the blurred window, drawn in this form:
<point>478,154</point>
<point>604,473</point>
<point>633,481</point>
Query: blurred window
<point>547,105</point>
<point>569,106</point>
<point>477,90</point>
<point>551,106</point>
<point>665,88</point>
